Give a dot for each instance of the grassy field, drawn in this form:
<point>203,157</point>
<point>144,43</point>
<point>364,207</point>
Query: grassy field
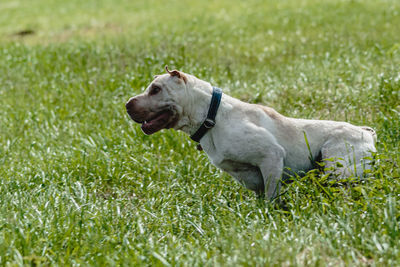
<point>81,185</point>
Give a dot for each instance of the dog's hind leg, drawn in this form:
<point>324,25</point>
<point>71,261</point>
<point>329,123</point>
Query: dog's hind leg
<point>343,159</point>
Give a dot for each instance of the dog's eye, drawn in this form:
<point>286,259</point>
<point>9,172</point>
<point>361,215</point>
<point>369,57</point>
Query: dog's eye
<point>155,90</point>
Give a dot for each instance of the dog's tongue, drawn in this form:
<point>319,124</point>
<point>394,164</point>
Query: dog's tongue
<point>156,124</point>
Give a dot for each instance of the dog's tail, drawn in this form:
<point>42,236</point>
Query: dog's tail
<point>371,131</point>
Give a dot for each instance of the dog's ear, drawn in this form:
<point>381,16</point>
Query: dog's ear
<point>176,73</point>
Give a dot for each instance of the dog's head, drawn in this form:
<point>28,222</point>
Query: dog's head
<point>157,107</point>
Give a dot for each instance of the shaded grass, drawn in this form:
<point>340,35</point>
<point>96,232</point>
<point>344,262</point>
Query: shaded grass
<point>80,183</point>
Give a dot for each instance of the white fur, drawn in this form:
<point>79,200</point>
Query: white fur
<point>255,144</point>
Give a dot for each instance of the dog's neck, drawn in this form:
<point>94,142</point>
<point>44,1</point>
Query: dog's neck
<point>195,110</point>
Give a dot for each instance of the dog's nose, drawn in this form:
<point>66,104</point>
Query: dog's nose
<point>129,105</point>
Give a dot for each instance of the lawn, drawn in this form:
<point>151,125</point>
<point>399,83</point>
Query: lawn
<point>80,184</point>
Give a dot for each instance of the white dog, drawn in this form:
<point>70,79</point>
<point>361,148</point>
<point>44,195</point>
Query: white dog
<point>253,143</point>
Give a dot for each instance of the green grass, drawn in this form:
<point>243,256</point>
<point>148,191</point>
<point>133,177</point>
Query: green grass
<point>81,185</point>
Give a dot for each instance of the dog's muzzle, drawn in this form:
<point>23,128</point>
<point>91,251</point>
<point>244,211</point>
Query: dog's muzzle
<point>151,121</point>
<point>130,108</point>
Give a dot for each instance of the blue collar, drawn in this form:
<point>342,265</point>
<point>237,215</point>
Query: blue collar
<point>209,122</point>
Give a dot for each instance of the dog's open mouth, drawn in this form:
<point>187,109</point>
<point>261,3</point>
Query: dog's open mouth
<point>161,120</point>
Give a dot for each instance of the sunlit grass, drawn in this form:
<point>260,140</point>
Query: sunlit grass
<point>81,184</point>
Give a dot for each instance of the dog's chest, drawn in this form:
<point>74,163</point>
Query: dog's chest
<point>226,161</point>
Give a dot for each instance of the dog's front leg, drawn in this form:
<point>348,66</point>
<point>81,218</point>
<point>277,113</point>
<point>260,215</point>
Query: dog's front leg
<point>250,176</point>
<point>271,168</point>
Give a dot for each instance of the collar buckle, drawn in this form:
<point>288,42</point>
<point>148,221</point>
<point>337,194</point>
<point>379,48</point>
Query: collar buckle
<point>209,123</point>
